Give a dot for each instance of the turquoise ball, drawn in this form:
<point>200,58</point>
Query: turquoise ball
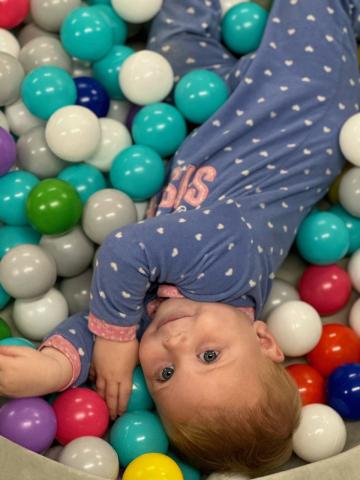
<point>243,27</point>
<point>16,342</point>
<point>352,224</point>
<point>85,34</point>
<point>98,2</point>
<point>161,127</point>
<point>106,70</point>
<point>4,298</point>
<point>322,238</point>
<point>86,179</point>
<point>11,236</point>
<point>189,472</point>
<point>15,188</point>
<point>140,398</point>
<point>136,433</point>
<point>199,94</point>
<point>138,171</point>
<point>117,24</point>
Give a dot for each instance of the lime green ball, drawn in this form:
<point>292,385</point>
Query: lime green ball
<point>5,331</point>
<point>53,207</point>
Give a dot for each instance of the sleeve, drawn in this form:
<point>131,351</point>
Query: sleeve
<point>187,33</point>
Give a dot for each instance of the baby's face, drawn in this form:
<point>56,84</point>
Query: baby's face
<point>198,355</point>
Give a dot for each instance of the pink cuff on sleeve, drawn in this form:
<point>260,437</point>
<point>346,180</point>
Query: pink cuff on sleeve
<point>111,332</point>
<point>70,352</point>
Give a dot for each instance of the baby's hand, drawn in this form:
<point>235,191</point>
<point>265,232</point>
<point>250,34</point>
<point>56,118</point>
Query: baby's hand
<point>113,364</point>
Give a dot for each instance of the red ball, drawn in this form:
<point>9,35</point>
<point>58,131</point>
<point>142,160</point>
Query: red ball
<point>326,287</point>
<point>338,345</point>
<point>13,12</point>
<point>80,412</point>
<point>310,383</point>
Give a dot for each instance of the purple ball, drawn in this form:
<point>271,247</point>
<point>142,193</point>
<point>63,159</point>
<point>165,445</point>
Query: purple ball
<point>29,422</point>
<point>7,151</point>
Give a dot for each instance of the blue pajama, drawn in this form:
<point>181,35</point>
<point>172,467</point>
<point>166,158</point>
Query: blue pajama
<point>240,185</point>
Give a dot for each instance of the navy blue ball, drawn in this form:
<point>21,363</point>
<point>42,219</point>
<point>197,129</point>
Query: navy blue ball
<point>343,391</point>
<point>92,95</point>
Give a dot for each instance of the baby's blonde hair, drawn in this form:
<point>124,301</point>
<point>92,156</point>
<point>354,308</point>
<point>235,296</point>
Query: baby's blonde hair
<point>251,440</point>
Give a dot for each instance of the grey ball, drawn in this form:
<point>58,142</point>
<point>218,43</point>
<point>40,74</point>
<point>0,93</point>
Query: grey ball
<point>44,51</point>
<point>50,14</point>
<point>31,31</point>
<point>11,77</point>
<point>280,293</point>
<point>76,291</point>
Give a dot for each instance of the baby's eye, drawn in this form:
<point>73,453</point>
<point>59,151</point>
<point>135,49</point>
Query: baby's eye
<point>166,373</point>
<point>209,356</point>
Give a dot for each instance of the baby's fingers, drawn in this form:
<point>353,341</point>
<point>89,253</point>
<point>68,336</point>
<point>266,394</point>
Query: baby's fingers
<point>112,396</point>
<point>125,392</point>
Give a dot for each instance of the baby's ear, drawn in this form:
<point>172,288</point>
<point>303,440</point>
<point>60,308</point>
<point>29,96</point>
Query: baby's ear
<point>268,343</point>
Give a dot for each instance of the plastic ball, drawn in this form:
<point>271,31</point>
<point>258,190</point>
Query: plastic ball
<point>349,190</point>
<point>34,155</point>
<point>15,188</point>
<point>46,89</point>
<point>322,238</point>
<point>352,224</point>
<point>20,119</point>
<point>50,14</point>
<point>350,139</point>
<point>116,23</point>
<point>333,193</point>
<point>136,433</point>
<point>8,151</point>
<point>152,466</point>
<point>86,34</point>
<point>4,297</point>
<point>12,13</point>
<point>92,95</point>
<point>107,69</point>
<point>76,291</point>
<point>30,31</point>
<point>86,179</point>
<point>35,318</point>
<point>343,391</point>
<point>138,171</point>
<point>140,398</point>
<point>44,51</point>
<point>326,287</point>
<point>9,43</point>
<point>338,345</point>
<point>11,237</point>
<point>105,211</point>
<point>353,269</point>
<point>16,342</point>
<point>80,412</point>
<point>11,77</point>
<point>115,137</point>
<point>354,317</point>
<point>243,26</point>
<point>5,330</point>
<point>27,271</point>
<point>227,4</point>
<point>321,433</point>
<point>296,326</point>
<point>199,94</point>
<point>73,133</point>
<point>29,422</point>
<point>91,455</point>
<point>310,383</point>
<point>161,127</point>
<point>5,124</point>
<point>119,110</point>
<point>281,292</point>
<point>146,77</point>
<point>53,207</point>
<point>140,11</point>
<point>189,472</point>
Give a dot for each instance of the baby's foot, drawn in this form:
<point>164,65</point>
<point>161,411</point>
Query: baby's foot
<point>25,372</point>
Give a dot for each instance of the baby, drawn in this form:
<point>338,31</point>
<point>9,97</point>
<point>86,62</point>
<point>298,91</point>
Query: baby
<point>180,291</point>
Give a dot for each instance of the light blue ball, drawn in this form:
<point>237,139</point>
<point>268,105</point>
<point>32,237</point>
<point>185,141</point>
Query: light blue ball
<point>86,179</point>
<point>4,298</point>
<point>352,224</point>
<point>140,398</point>
<point>136,433</point>
<point>98,2</point>
<point>138,171</point>
<point>161,127</point>
<point>106,70</point>
<point>189,473</point>
<point>243,27</point>
<point>117,24</point>
<point>322,238</point>
<point>14,191</point>
<point>199,94</point>
<point>16,342</point>
<point>11,236</point>
<point>46,89</point>
<point>86,34</point>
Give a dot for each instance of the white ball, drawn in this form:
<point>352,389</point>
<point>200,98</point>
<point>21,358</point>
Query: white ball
<point>36,317</point>
<point>137,11</point>
<point>296,326</point>
<point>146,77</point>
<point>115,137</point>
<point>227,4</point>
<point>141,209</point>
<point>3,122</point>
<point>350,139</point>
<point>281,292</point>
<point>354,317</point>
<point>349,191</point>
<point>20,120</point>
<point>8,43</point>
<point>353,269</point>
<point>73,133</point>
<point>321,433</point>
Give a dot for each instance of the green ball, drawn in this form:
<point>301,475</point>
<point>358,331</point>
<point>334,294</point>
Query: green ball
<point>53,207</point>
<point>5,330</point>
<point>140,398</point>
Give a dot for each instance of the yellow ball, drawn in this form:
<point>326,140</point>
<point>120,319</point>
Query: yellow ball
<point>153,466</point>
